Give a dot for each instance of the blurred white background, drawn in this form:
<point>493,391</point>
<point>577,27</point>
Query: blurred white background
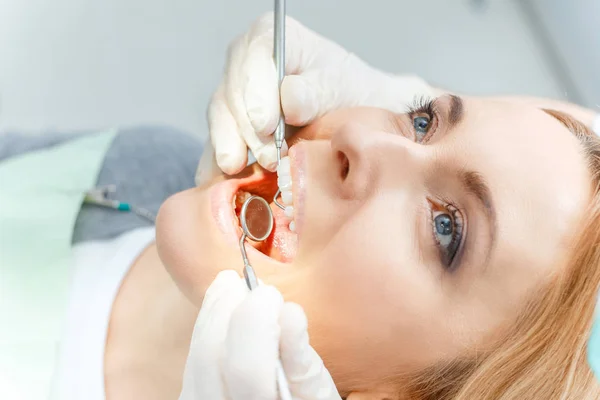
<point>70,64</point>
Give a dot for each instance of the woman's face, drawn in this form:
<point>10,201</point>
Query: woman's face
<point>419,236</point>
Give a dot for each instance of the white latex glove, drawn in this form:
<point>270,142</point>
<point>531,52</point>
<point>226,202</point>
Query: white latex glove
<point>321,76</point>
<point>238,338</point>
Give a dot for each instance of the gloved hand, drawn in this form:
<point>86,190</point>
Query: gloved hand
<point>321,76</point>
<point>238,338</point>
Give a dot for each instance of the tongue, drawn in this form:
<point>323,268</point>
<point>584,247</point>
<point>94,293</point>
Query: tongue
<point>284,242</point>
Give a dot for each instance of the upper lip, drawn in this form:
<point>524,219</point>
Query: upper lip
<point>297,188</point>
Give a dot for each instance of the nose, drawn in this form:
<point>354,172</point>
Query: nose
<point>369,159</point>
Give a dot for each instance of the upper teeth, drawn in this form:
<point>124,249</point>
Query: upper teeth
<point>284,181</point>
<point>289,211</point>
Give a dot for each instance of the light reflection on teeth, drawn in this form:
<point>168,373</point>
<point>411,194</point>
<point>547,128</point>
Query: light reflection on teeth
<point>284,166</point>
<point>286,197</point>
<point>286,186</point>
<point>284,181</point>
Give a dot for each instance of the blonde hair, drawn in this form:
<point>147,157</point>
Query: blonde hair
<point>544,355</point>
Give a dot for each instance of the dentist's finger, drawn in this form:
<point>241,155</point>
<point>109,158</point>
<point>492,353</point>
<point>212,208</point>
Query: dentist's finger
<point>261,94</point>
<point>265,152</point>
<point>313,94</point>
<point>263,148</point>
<point>307,376</point>
<point>235,83</point>
<point>258,80</point>
<point>252,346</point>
<point>230,149</point>
<point>262,91</point>
<point>300,100</point>
<point>207,169</point>
<point>224,295</point>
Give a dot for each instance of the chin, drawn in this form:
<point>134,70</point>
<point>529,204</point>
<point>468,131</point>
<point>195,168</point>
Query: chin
<point>198,231</point>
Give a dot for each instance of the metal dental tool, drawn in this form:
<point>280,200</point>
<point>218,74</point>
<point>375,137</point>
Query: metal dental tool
<point>256,219</point>
<point>279,58</point>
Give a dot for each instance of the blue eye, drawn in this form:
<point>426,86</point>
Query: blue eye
<point>422,124</point>
<point>422,114</point>
<point>447,232</point>
<point>444,225</point>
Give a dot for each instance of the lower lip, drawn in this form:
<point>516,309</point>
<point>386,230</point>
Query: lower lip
<point>221,198</point>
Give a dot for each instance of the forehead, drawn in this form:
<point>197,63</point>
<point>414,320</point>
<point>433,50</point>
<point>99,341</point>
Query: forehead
<point>538,176</point>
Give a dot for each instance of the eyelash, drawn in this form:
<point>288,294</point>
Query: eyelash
<point>447,255</point>
<point>427,106</point>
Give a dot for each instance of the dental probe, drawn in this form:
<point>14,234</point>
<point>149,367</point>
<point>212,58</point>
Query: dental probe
<point>256,219</point>
<point>279,58</point>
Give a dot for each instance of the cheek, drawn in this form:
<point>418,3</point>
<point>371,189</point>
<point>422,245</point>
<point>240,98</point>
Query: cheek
<point>377,272</point>
<point>189,244</point>
<point>369,295</point>
<point>373,254</point>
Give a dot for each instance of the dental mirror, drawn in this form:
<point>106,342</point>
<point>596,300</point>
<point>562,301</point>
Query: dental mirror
<point>256,218</point>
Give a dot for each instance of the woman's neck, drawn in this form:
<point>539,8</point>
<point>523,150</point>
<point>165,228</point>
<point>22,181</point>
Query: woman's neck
<point>149,334</point>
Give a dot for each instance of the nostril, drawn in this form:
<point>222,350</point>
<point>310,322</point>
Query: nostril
<point>344,165</point>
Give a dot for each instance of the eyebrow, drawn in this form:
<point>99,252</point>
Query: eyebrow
<point>577,128</point>
<point>456,113</point>
<point>476,185</point>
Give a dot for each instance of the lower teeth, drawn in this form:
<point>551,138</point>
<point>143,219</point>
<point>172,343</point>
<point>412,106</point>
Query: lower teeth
<point>240,197</point>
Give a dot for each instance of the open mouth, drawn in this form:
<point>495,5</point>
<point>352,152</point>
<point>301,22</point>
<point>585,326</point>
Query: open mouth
<point>282,244</point>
